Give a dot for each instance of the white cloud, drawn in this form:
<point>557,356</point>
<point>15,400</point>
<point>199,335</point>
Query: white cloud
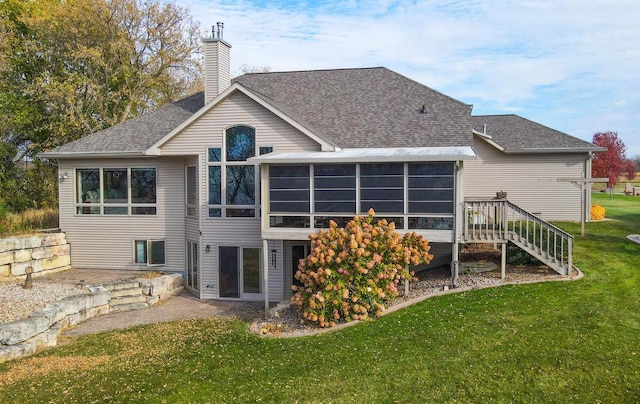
<point>572,64</point>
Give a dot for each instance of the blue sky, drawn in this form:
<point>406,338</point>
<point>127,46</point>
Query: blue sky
<point>572,65</point>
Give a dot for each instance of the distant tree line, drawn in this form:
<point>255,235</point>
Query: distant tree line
<point>70,68</point>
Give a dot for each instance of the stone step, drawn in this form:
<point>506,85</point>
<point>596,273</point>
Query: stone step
<point>126,284</point>
<point>126,292</point>
<point>127,307</point>
<point>139,298</point>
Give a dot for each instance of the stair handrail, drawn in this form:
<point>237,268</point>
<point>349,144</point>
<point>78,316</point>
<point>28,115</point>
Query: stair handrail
<point>502,220</point>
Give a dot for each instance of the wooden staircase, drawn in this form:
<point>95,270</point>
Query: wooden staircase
<point>500,221</point>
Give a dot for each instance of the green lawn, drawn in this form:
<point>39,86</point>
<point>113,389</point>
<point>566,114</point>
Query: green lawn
<point>553,342</point>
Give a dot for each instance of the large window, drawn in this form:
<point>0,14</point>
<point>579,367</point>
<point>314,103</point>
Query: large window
<point>232,181</point>
<point>116,191</point>
<point>413,195</point>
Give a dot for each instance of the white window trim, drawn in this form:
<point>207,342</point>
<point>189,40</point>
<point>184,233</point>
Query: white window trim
<point>101,204</point>
<point>149,242</point>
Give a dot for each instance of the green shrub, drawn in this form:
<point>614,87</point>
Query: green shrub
<point>353,273</point>
<point>517,256</point>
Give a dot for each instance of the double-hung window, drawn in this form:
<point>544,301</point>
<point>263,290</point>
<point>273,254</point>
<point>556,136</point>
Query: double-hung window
<point>232,180</point>
<point>116,191</point>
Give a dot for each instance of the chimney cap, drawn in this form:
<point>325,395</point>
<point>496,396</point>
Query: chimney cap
<point>217,30</point>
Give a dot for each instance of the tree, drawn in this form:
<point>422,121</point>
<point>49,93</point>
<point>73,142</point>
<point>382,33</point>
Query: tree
<point>610,163</point>
<point>630,169</point>
<point>68,69</point>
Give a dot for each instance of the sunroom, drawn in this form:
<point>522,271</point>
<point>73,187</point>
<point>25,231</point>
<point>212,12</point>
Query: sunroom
<point>419,189</point>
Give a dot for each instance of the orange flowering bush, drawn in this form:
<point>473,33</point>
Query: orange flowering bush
<point>597,212</point>
<point>353,273</point>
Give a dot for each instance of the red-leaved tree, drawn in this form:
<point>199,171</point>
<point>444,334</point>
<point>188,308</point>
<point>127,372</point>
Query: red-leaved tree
<point>630,169</point>
<point>611,163</point>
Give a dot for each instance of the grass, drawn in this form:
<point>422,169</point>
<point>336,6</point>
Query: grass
<point>28,221</point>
<point>550,342</point>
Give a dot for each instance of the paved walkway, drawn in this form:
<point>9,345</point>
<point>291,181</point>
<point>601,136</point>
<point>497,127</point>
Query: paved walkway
<point>180,307</point>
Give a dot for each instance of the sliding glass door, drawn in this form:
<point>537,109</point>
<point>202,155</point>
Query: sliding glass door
<point>240,273</point>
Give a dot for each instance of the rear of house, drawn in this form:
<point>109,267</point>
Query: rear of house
<point>225,186</point>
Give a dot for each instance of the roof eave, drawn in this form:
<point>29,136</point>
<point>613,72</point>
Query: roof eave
<point>370,155</point>
<point>555,150</point>
<point>98,154</point>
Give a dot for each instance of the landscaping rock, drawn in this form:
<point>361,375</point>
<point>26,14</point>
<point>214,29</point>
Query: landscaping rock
<point>17,331</point>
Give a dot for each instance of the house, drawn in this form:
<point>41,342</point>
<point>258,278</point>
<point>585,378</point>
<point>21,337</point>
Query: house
<point>225,185</point>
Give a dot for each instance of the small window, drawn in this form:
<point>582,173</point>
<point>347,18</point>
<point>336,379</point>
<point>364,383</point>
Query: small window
<point>192,191</point>
<point>150,252</point>
<point>214,155</point>
<point>266,150</point>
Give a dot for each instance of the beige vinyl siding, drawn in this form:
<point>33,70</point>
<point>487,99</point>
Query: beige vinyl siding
<point>106,242</point>
<point>276,289</point>
<point>530,180</point>
<point>238,109</point>
<point>217,68</point>
<point>208,131</point>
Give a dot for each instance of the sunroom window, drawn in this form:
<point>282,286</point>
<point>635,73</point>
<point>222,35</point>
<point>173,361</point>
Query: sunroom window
<point>412,195</point>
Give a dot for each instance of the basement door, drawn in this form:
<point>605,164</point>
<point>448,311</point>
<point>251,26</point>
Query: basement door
<point>240,273</point>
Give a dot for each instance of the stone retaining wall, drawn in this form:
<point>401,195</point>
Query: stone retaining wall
<point>25,336</point>
<point>45,253</point>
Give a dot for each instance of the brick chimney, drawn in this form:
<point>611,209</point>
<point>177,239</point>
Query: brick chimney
<point>217,71</point>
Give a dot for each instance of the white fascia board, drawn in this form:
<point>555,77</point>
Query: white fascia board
<point>555,150</point>
<point>484,135</point>
<point>371,155</point>
<point>155,149</point>
<point>489,140</point>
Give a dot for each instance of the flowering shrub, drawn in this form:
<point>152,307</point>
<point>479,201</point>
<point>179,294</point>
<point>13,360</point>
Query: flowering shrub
<point>597,212</point>
<point>353,273</point>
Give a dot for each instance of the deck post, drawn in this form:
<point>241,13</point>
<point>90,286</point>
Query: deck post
<point>503,261</point>
<point>455,255</point>
<point>265,273</point>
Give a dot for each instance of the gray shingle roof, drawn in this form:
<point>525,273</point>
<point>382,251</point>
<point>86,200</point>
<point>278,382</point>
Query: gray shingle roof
<point>371,107</point>
<point>350,108</point>
<point>517,134</point>
<point>137,134</point>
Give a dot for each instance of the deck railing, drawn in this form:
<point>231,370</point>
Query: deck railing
<point>498,220</point>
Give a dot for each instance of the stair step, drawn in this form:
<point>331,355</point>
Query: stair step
<point>127,307</point>
<point>126,292</point>
<point>126,284</point>
<point>139,298</point>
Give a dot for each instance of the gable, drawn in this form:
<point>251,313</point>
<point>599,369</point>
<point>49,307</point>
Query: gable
<point>237,109</point>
